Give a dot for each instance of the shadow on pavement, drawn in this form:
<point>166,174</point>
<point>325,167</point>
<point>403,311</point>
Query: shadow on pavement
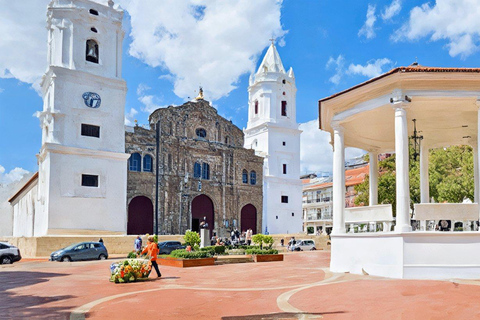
<point>282,315</point>
<point>18,306</point>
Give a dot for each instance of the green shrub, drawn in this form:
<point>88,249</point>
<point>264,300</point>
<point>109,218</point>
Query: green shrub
<point>191,238</point>
<point>184,254</point>
<point>214,250</point>
<point>219,250</point>
<point>268,241</point>
<point>262,240</point>
<point>261,251</point>
<point>258,239</point>
<point>132,255</point>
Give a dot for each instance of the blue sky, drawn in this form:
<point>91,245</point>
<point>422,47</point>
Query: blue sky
<point>331,45</point>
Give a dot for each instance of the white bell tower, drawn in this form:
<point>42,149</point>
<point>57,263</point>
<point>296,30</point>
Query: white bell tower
<point>82,161</point>
<point>273,132</point>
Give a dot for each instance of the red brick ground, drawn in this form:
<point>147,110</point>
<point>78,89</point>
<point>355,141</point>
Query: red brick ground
<point>274,290</point>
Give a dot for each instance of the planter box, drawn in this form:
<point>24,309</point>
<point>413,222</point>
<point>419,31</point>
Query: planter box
<point>267,257</point>
<point>185,263</point>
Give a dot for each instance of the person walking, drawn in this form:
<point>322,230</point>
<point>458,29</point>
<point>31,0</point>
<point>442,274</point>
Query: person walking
<point>138,244</point>
<point>152,250</point>
<point>249,237</point>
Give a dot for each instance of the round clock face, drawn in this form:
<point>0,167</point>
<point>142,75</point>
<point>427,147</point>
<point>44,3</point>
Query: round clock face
<point>92,99</point>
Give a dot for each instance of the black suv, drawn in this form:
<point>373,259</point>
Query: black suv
<point>166,247</point>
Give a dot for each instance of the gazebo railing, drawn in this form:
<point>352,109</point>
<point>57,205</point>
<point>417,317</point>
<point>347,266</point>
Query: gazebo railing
<point>446,216</point>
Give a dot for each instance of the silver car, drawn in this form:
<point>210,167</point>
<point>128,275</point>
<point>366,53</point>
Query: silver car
<point>8,253</point>
<point>81,251</point>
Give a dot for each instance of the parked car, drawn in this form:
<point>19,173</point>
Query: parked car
<point>81,251</point>
<point>166,247</point>
<point>303,245</point>
<point>8,253</point>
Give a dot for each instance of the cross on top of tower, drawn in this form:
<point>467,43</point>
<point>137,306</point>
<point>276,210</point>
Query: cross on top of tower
<point>272,39</point>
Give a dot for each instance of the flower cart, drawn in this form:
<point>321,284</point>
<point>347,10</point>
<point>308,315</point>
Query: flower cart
<point>130,270</point>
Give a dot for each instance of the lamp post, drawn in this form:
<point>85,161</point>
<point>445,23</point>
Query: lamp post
<point>157,128</point>
<point>416,141</point>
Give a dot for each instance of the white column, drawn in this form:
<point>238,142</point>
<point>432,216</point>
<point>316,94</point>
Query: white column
<point>401,165</point>
<point>424,185</point>
<point>373,178</point>
<point>475,171</point>
<point>338,182</point>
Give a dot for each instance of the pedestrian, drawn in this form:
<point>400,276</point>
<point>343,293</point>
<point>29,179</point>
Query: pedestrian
<point>249,237</point>
<point>138,244</point>
<point>152,250</point>
<point>291,243</point>
<point>282,242</point>
<point>100,240</point>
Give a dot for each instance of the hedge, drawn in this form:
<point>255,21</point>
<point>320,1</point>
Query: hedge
<point>260,251</point>
<point>214,250</point>
<point>184,254</point>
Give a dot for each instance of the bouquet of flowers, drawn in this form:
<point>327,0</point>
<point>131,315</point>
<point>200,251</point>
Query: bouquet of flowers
<point>130,270</point>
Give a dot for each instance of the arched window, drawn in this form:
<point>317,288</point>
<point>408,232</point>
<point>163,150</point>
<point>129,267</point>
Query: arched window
<point>201,133</point>
<point>253,178</point>
<point>227,140</point>
<point>147,163</point>
<point>256,106</point>
<point>245,176</point>
<point>135,162</point>
<point>206,171</point>
<point>197,170</point>
<point>91,51</point>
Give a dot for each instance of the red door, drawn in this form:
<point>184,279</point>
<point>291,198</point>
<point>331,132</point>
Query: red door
<point>248,219</point>
<point>202,206</point>
<point>140,216</point>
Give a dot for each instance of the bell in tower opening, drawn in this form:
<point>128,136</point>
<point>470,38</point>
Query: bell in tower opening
<point>92,51</point>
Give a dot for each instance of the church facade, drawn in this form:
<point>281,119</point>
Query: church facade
<point>204,172</point>
<point>95,175</point>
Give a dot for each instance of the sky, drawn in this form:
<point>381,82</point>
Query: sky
<point>172,47</point>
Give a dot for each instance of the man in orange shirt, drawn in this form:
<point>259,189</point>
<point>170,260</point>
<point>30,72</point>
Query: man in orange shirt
<point>152,250</point>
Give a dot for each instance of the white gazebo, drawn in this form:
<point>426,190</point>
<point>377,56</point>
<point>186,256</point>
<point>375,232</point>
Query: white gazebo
<point>376,116</point>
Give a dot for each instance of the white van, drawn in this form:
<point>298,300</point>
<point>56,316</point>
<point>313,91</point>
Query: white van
<point>304,245</point>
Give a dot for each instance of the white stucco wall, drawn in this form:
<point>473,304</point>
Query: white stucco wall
<point>24,211</point>
<point>73,206</point>
<point>409,255</point>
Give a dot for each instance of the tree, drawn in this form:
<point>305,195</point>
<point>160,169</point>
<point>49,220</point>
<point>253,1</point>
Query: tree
<point>450,178</point>
<point>191,238</point>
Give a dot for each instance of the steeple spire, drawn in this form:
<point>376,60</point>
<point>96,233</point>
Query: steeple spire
<point>271,62</point>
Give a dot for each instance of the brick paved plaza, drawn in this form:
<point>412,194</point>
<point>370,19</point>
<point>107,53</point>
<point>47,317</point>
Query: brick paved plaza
<point>301,287</point>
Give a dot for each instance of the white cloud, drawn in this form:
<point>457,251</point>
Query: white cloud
<point>130,117</point>
<point>11,176</point>
<point>372,69</point>
<point>456,21</point>
<point>23,44</point>
<point>338,65</point>
<point>199,42</point>
<point>392,10</point>
<point>202,42</point>
<point>316,153</point>
<point>368,30</point>
<point>150,102</point>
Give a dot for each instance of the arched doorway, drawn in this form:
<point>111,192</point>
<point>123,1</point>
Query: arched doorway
<point>140,216</point>
<point>202,206</point>
<point>248,218</point>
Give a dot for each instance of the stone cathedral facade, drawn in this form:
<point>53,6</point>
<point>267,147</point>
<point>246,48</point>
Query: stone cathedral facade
<point>204,172</point>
